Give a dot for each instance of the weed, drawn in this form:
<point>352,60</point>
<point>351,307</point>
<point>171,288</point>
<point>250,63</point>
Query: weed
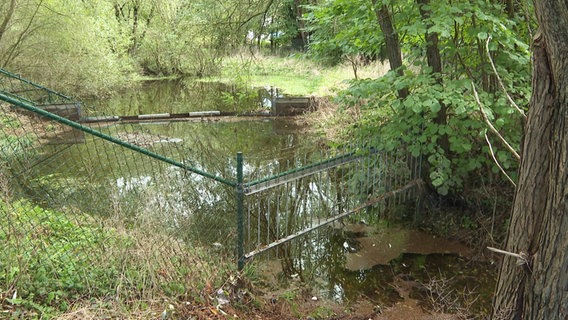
<point>52,261</point>
<point>442,297</point>
<point>322,312</point>
<point>290,301</point>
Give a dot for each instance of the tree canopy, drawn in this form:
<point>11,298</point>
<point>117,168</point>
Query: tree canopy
<point>451,49</point>
<point>448,53</point>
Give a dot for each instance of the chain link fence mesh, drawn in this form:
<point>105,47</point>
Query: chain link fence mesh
<point>82,217</point>
<point>127,211</point>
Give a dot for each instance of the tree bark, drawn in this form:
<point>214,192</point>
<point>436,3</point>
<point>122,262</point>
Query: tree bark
<point>538,289</point>
<point>435,62</point>
<point>391,41</point>
<point>302,34</point>
<point>8,16</point>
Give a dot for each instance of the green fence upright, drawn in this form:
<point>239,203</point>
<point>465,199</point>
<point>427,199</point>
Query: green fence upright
<point>240,212</point>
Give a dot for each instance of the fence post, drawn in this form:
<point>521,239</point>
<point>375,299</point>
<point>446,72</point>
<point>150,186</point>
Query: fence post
<point>240,213</point>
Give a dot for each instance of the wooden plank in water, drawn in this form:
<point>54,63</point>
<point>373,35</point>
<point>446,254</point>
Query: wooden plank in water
<point>100,119</point>
<point>154,116</point>
<point>204,113</point>
<point>71,111</point>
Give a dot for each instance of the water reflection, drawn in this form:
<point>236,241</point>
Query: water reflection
<point>105,179</point>
<point>102,178</point>
<point>323,264</point>
<point>124,185</point>
<point>169,96</point>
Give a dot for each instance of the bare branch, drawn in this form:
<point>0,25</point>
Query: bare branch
<point>497,162</point>
<point>522,257</point>
<point>7,18</point>
<point>23,35</point>
<point>491,127</point>
<point>500,81</point>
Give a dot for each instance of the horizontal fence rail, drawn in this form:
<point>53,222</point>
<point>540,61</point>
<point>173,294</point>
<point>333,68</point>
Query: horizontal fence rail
<point>296,202</point>
<point>294,174</point>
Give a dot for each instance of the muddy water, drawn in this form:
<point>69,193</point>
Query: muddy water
<point>383,267</point>
<point>346,264</point>
<point>381,246</point>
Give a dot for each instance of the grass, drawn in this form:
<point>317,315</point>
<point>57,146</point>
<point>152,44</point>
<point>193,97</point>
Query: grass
<point>54,265</point>
<point>293,74</point>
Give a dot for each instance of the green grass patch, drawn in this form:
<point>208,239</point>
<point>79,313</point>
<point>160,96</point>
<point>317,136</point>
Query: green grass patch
<point>294,74</point>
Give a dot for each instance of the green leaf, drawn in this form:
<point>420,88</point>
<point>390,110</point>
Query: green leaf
<point>460,110</point>
<point>417,108</point>
<point>435,106</point>
<point>437,182</point>
<point>482,35</point>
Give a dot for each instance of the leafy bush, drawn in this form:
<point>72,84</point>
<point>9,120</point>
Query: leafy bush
<point>391,123</point>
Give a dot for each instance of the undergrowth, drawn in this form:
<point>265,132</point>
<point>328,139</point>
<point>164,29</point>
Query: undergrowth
<point>54,263</point>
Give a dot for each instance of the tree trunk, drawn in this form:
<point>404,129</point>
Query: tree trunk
<point>435,62</point>
<point>302,34</point>
<point>7,17</point>
<point>538,289</point>
<point>391,41</point>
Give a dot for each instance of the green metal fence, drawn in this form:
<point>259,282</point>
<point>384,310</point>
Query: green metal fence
<point>104,211</point>
<point>357,186</point>
<point>123,211</point>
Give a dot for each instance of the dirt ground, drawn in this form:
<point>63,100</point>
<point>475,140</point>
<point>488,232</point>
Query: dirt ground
<point>405,309</point>
<point>274,306</point>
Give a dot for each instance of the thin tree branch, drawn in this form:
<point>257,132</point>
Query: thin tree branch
<point>22,36</point>
<point>491,127</point>
<point>497,162</point>
<point>522,258</point>
<point>501,81</point>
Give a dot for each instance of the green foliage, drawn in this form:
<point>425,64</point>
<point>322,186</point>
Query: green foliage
<point>46,260</point>
<point>51,260</point>
<point>15,148</point>
<point>342,29</point>
<point>411,123</point>
<point>323,312</point>
<point>179,40</point>
<point>86,38</point>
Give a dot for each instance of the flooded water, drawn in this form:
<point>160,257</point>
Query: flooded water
<point>383,265</point>
<point>344,262</point>
<point>180,96</point>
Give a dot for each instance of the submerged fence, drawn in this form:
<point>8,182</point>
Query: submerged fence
<point>131,210</point>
